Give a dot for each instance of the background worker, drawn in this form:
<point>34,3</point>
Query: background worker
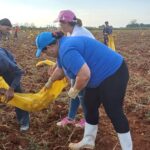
<point>72,26</point>
<point>16,30</point>
<point>106,31</point>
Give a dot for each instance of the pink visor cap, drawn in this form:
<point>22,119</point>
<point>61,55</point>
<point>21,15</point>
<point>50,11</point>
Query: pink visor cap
<point>66,16</point>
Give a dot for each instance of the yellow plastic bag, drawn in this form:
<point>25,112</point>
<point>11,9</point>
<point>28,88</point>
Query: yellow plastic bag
<point>45,62</point>
<point>35,101</point>
<point>111,42</point>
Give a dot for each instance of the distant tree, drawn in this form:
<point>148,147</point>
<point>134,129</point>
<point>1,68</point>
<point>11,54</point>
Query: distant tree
<point>26,25</point>
<point>134,21</point>
<point>32,25</point>
<point>101,27</point>
<point>133,24</point>
<point>144,25</point>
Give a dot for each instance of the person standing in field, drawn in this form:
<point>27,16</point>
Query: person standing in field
<point>108,36</point>
<point>16,30</point>
<point>72,26</point>
<point>106,31</point>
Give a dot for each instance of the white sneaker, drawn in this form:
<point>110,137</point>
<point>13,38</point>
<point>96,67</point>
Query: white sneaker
<point>24,128</point>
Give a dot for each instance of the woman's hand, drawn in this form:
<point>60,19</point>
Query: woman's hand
<point>73,93</point>
<point>48,83</point>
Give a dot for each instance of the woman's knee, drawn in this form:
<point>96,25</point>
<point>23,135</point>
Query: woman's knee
<point>120,123</point>
<point>92,117</point>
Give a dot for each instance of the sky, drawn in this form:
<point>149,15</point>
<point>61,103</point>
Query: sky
<point>92,12</point>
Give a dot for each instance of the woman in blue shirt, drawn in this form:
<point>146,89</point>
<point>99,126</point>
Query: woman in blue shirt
<point>101,71</point>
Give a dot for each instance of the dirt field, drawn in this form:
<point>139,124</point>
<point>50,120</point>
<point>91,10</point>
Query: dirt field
<point>45,135</point>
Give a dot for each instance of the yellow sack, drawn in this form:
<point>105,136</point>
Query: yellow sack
<point>35,101</point>
<point>45,62</point>
<point>111,42</point>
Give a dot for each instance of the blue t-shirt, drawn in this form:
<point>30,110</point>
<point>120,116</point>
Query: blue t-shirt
<point>107,29</point>
<point>76,51</point>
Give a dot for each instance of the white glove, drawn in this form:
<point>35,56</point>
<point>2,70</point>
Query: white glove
<point>48,83</point>
<point>73,93</point>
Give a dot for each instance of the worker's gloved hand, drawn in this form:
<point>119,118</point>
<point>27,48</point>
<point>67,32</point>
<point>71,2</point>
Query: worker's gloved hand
<point>9,94</point>
<point>73,92</point>
<point>48,83</point>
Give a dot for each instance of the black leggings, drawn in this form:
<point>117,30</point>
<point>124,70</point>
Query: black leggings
<point>111,94</point>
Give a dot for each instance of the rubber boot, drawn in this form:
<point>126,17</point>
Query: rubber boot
<point>88,141</point>
<point>125,141</point>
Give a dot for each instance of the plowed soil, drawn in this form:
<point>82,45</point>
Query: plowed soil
<point>43,134</point>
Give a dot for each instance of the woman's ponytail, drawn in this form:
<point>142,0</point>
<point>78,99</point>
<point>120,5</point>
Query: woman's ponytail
<point>79,22</point>
<point>58,34</point>
<point>76,21</point>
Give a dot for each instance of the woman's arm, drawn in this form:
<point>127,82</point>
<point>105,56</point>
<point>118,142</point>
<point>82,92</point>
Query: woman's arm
<point>58,74</point>
<point>82,77</point>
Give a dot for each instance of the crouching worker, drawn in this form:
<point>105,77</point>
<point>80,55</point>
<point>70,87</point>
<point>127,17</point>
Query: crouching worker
<point>12,75</point>
<point>102,72</point>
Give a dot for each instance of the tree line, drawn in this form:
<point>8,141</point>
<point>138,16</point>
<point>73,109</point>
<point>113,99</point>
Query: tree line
<point>135,24</point>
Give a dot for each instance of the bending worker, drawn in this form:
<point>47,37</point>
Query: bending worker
<point>97,69</point>
<point>12,75</point>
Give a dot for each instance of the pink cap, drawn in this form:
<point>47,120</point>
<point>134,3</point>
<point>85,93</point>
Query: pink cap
<point>66,16</point>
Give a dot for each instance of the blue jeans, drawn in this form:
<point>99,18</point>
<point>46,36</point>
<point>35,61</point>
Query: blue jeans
<point>75,103</point>
<point>22,116</point>
<point>105,39</point>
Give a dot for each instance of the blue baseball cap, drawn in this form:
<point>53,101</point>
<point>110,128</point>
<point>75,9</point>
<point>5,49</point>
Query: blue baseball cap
<point>42,40</point>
